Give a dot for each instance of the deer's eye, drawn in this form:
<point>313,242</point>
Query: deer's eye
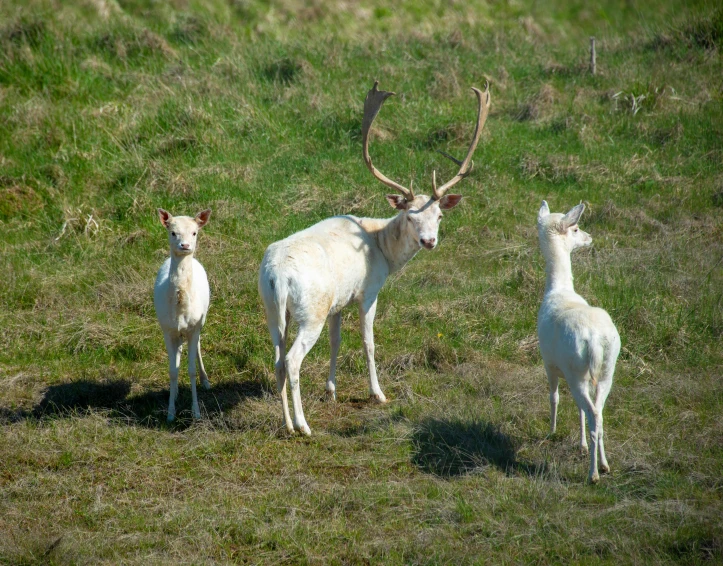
<point>409,218</point>
<point>439,218</point>
<point>575,230</point>
<point>173,234</point>
<point>194,233</point>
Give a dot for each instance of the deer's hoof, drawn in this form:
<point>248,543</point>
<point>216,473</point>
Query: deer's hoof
<point>378,398</point>
<point>330,396</point>
<point>303,429</point>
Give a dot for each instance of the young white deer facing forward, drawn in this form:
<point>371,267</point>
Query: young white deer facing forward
<point>181,297</point>
<point>313,274</point>
<point>577,341</point>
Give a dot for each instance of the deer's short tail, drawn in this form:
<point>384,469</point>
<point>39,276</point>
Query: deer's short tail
<point>597,357</point>
<point>274,293</point>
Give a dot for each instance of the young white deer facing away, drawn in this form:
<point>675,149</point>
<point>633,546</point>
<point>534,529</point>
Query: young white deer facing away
<point>181,297</point>
<point>313,274</point>
<point>577,341</point>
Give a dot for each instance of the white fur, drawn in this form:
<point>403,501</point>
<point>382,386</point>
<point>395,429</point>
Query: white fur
<point>577,341</point>
<point>313,274</point>
<point>181,297</point>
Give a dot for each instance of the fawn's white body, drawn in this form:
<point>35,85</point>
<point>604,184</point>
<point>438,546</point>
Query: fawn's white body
<point>313,274</point>
<point>578,342</point>
<point>181,297</point>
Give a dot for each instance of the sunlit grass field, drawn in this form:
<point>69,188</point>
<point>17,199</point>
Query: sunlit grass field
<point>110,109</point>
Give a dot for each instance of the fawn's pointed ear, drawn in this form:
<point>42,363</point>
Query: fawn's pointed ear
<point>572,217</point>
<point>165,217</point>
<point>544,211</point>
<point>202,217</point>
<point>449,201</point>
<point>398,202</point>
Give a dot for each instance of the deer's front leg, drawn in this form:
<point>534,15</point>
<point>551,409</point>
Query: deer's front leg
<point>173,346</point>
<point>193,343</point>
<point>367,311</point>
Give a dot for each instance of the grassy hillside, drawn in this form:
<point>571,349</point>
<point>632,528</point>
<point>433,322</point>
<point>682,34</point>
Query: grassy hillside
<point>110,109</point>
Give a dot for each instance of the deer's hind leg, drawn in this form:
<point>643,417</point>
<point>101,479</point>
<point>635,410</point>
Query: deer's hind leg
<point>553,380</point>
<point>279,330</point>
<point>205,383</point>
<point>308,335</point>
<point>335,342</point>
<point>603,390</point>
<point>579,390</point>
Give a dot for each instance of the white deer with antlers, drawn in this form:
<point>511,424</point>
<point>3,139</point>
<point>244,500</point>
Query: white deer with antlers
<point>313,274</point>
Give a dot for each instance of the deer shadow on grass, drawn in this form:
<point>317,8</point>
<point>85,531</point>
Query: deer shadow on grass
<point>147,409</point>
<point>452,448</point>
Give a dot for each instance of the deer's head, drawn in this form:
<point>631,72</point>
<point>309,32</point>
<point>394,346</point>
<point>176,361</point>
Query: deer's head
<point>422,216</point>
<point>560,231</point>
<point>183,230</point>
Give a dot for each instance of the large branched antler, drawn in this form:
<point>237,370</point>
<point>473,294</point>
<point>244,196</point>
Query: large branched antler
<point>372,104</point>
<point>465,167</point>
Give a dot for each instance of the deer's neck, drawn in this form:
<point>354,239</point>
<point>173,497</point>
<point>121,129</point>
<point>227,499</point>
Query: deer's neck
<point>558,268</point>
<point>397,243</point>
<point>181,277</point>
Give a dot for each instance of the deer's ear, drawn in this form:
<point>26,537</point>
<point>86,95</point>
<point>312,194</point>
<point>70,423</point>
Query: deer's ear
<point>449,201</point>
<point>165,217</point>
<point>398,202</point>
<point>544,211</point>
<point>572,217</point>
<point>202,217</point>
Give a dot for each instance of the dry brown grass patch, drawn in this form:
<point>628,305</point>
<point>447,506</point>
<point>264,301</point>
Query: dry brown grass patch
<point>126,289</point>
<point>444,86</point>
<point>636,216</point>
<point>96,65</point>
<point>554,168</point>
<point>18,198</point>
<point>160,179</point>
<point>533,30</point>
<point>540,105</point>
<point>133,44</point>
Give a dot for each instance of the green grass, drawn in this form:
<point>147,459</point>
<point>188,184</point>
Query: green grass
<point>109,110</point>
